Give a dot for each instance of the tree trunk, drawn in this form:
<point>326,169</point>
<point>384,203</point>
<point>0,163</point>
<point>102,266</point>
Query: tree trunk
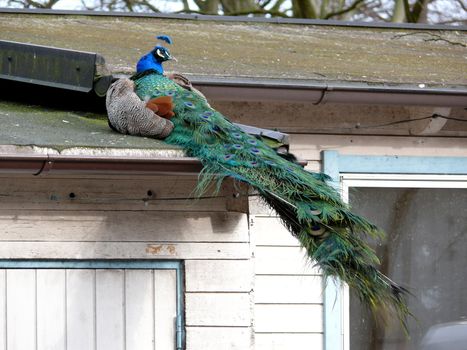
<point>303,9</point>
<point>233,7</point>
<point>209,7</point>
<point>398,15</point>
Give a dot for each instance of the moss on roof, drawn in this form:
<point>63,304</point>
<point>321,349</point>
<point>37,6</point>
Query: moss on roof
<point>257,50</point>
<point>24,125</point>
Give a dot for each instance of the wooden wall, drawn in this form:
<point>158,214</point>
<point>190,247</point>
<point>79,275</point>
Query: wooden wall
<point>288,289</point>
<point>142,218</point>
<point>288,292</point>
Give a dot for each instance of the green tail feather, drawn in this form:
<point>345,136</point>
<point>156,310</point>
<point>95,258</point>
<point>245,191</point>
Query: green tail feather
<point>334,237</point>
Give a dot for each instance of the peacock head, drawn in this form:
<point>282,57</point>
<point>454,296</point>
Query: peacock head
<point>155,58</point>
<point>161,54</point>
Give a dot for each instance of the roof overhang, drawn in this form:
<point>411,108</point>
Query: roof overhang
<point>40,165</point>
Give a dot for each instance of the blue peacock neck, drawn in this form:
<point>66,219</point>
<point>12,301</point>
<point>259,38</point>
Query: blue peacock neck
<point>149,62</point>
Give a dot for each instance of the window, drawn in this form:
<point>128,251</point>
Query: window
<point>425,218</point>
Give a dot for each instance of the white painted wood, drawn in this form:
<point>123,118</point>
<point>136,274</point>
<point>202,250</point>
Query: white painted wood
<point>21,309</point>
<point>288,341</point>
<point>3,309</point>
<point>123,250</point>
<point>269,231</point>
<point>288,318</point>
<point>51,310</point>
<point>80,288</point>
<point>288,289</point>
<point>419,177</point>
<point>139,309</point>
<point>213,309</point>
<point>110,310</point>
<point>87,226</point>
<point>309,146</point>
<point>218,275</point>
<point>283,261</point>
<point>258,207</point>
<point>165,308</point>
<point>219,338</point>
<point>87,309</point>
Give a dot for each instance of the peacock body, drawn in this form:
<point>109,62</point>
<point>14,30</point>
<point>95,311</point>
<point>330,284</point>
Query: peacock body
<point>333,237</point>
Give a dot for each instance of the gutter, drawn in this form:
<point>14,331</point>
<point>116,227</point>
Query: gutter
<point>232,89</point>
<point>42,165</point>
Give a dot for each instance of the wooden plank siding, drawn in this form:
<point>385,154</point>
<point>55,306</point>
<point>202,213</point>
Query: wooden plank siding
<point>116,218</point>
<point>100,309</point>
<point>288,290</point>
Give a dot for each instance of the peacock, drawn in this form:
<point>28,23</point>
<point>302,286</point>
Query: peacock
<point>333,237</point>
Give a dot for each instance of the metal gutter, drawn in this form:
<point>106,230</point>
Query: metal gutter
<point>217,18</point>
<point>43,165</point>
<point>40,165</point>
<point>231,89</point>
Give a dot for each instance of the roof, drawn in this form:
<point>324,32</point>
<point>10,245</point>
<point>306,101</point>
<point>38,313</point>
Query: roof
<point>35,139</point>
<point>299,61</point>
<point>69,131</point>
<point>225,49</point>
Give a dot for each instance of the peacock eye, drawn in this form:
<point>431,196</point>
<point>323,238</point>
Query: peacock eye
<point>159,53</point>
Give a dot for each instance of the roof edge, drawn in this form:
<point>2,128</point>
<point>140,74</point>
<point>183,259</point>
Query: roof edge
<point>40,165</point>
<point>323,92</point>
<point>275,20</point>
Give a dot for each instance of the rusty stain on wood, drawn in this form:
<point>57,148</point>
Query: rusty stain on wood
<point>160,249</point>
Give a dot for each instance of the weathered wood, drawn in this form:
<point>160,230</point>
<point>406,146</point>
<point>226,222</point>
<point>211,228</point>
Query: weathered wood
<point>288,290</point>
<point>110,304</point>
<point>288,318</point>
<point>21,306</point>
<point>139,309</point>
<point>218,338</point>
<point>165,308</point>
<point>120,226</point>
<point>160,193</point>
<point>214,309</point>
<point>287,341</point>
<point>336,118</point>
<point>123,250</point>
<point>81,327</point>
<point>236,196</point>
<point>283,261</point>
<point>269,231</point>
<point>218,275</point>
<point>51,310</point>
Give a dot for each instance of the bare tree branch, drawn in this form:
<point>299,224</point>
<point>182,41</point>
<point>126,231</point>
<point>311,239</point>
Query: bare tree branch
<point>352,7</point>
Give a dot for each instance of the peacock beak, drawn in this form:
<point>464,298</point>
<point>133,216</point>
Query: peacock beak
<point>173,58</point>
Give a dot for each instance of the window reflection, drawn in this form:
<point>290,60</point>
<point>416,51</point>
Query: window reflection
<point>425,251</point>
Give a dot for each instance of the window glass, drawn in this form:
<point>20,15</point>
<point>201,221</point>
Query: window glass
<point>425,251</point>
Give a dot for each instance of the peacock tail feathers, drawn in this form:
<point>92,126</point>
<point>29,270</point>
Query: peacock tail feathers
<point>333,237</point>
